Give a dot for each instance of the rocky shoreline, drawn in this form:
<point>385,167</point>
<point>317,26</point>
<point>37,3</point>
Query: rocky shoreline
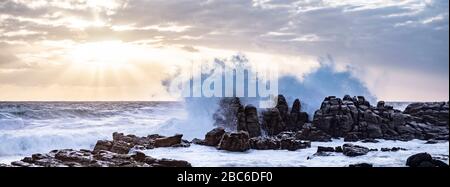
<point>240,128</point>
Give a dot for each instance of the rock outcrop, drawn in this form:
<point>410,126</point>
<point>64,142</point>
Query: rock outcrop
<point>283,141</point>
<point>355,119</point>
<point>122,144</point>
<point>354,150</point>
<point>213,137</point>
<point>87,158</point>
<point>424,160</point>
<point>297,118</point>
<point>228,114</point>
<point>235,141</point>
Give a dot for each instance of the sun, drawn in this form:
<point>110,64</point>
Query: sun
<point>104,54</point>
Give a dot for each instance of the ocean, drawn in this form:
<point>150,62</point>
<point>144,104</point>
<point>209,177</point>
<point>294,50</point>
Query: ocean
<point>39,127</point>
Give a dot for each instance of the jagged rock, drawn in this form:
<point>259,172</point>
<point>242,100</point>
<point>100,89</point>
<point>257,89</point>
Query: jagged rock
<point>283,108</point>
<point>361,165</point>
<point>103,145</point>
<point>121,147</point>
<point>168,141</point>
<point>264,143</point>
<point>229,115</point>
<point>435,113</point>
<point>122,144</point>
<point>282,141</point>
<point>292,144</point>
<point>213,137</point>
<point>251,121</point>
<point>99,158</point>
<point>424,160</point>
<point>355,119</point>
<point>354,150</point>
<point>311,133</point>
<point>351,137</point>
<point>235,141</point>
<point>272,122</point>
<point>297,118</point>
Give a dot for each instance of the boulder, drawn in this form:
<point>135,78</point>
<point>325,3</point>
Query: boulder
<point>354,150</point>
<point>213,137</point>
<point>424,160</point>
<point>168,141</point>
<point>235,141</point>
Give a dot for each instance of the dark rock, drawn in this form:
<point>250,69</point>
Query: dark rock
<point>293,144</point>
<point>297,118</point>
<point>252,123</point>
<point>99,158</point>
<point>198,141</point>
<point>325,149</point>
<point>235,141</point>
<point>121,147</point>
<point>370,140</point>
<point>431,142</point>
<point>103,145</point>
<point>311,133</point>
<point>213,137</point>
<point>361,165</point>
<point>273,122</point>
<point>264,143</point>
<point>424,160</point>
<point>394,149</point>
<point>172,163</point>
<point>351,137</point>
<point>354,150</point>
<point>168,141</point>
<point>283,108</point>
<point>417,159</point>
<point>338,149</point>
<point>230,114</point>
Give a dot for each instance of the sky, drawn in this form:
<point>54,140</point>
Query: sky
<point>124,49</point>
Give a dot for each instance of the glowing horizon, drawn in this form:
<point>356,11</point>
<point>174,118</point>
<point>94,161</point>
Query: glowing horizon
<point>117,51</point>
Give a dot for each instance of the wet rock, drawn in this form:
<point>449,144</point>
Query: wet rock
<point>424,160</point>
<point>297,118</point>
<point>351,137</point>
<point>198,141</point>
<point>235,141</point>
<point>273,122</point>
<point>213,137</point>
<point>311,133</point>
<point>99,158</point>
<point>361,165</point>
<point>103,145</point>
<point>283,108</point>
<point>251,121</point>
<point>229,114</point>
<point>394,149</point>
<point>338,149</point>
<point>370,140</point>
<point>325,149</point>
<point>168,141</point>
<point>264,143</point>
<point>293,144</point>
<point>354,150</point>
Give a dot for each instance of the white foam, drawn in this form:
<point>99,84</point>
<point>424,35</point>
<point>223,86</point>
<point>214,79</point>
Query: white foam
<point>211,157</point>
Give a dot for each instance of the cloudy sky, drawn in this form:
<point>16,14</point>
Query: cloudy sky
<point>123,49</point>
